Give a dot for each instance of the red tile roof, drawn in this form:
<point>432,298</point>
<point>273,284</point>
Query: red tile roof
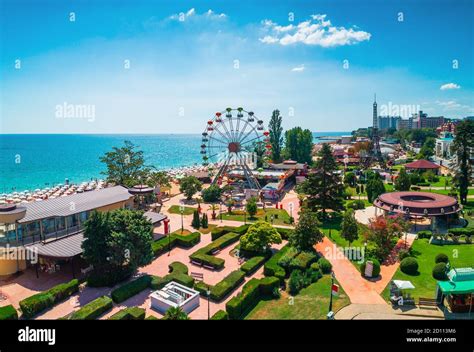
<point>422,164</point>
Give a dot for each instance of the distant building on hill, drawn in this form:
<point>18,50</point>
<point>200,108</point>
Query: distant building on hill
<point>421,120</point>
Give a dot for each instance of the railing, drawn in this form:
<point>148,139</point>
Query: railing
<point>37,238</point>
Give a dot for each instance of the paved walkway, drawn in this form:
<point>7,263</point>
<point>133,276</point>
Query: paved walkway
<point>385,311</point>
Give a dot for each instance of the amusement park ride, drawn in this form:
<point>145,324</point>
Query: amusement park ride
<point>231,139</point>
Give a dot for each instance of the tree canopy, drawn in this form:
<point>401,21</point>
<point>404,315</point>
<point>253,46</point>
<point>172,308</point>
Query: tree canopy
<point>463,145</point>
<point>307,232</point>
<point>276,135</point>
<point>125,165</point>
<point>259,237</point>
<point>190,185</point>
<point>350,229</point>
<point>402,182</point>
<point>299,145</point>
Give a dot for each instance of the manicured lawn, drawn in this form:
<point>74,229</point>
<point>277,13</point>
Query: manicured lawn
<point>425,253</point>
<point>281,217</point>
<point>206,231</point>
<point>311,303</point>
<point>445,192</point>
<point>174,209</point>
<point>335,236</point>
<point>184,233</point>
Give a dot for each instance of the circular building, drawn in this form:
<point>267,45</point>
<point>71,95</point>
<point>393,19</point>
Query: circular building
<point>437,207</point>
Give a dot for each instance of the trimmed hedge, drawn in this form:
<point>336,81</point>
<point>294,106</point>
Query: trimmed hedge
<point>100,280</point>
<point>222,230</point>
<point>271,267</point>
<point>462,231</point>
<point>8,313</point>
<point>178,272</point>
<point>252,265</point>
<point>284,232</point>
<point>93,310</point>
<point>151,317</point>
<point>130,313</point>
<point>35,304</point>
<point>325,265</point>
<point>439,272</point>
<point>441,258</point>
<point>252,292</point>
<point>130,289</point>
<point>227,285</point>
<point>409,266</point>
<point>204,255</point>
<point>220,315</point>
<point>303,260</point>
<point>187,241</point>
<point>425,234</point>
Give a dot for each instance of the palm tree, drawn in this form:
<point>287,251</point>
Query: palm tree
<point>175,313</point>
<point>213,207</point>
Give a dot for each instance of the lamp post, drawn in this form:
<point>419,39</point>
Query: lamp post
<point>181,210</point>
<point>169,240</point>
<point>220,210</point>
<point>330,313</point>
<point>208,303</point>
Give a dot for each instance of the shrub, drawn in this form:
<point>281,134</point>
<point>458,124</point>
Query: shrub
<point>356,204</point>
<point>303,260</point>
<point>295,283</point>
<point>271,267</point>
<point>439,271</point>
<point>325,265</point>
<point>211,194</point>
<point>217,232</point>
<point>286,259</point>
<point>409,266</point>
<point>151,317</point>
<point>93,310</point>
<point>188,241</point>
<point>196,223</point>
<point>130,289</point>
<point>441,258</point>
<point>314,266</point>
<point>204,255</point>
<point>227,285</point>
<point>284,232</point>
<point>268,285</point>
<point>130,313</point>
<point>178,272</point>
<point>220,315</point>
<point>35,304</point>
<point>425,234</point>
<point>403,253</point>
<point>163,244</point>
<point>375,265</point>
<point>466,231</point>
<point>8,313</point>
<point>252,265</point>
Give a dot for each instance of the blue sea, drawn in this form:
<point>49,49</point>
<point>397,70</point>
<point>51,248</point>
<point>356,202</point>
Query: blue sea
<point>29,161</point>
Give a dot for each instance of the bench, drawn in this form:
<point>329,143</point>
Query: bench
<point>427,302</point>
<point>215,251</point>
<point>208,267</point>
<point>196,263</point>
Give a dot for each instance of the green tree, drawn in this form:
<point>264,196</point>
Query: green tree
<point>125,165</point>
<point>374,188</point>
<point>175,313</point>
<point>159,178</point>
<point>350,229</point>
<point>427,149</point>
<point>276,135</point>
<point>307,232</point>
<point>117,242</point>
<point>196,223</point>
<point>350,179</point>
<point>463,145</point>
<point>323,187</point>
<point>299,145</point>
<point>259,237</point>
<point>251,206</point>
<point>402,182</point>
<point>211,194</point>
<point>190,185</point>
<point>204,221</point>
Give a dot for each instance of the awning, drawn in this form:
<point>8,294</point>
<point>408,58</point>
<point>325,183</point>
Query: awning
<point>403,285</point>
<point>63,248</point>
<point>457,288</point>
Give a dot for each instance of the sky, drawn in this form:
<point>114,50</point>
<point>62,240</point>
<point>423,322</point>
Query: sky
<point>156,66</point>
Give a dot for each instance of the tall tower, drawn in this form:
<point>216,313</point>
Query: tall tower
<point>376,152</point>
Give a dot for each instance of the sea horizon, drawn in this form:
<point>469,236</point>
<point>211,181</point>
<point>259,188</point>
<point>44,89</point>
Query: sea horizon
<point>30,160</point>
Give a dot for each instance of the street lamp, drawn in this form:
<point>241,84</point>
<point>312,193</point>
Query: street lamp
<point>208,303</point>
<point>220,210</point>
<point>330,292</point>
<point>181,210</point>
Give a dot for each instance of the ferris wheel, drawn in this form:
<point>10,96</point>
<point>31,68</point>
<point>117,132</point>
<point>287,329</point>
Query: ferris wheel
<point>232,138</point>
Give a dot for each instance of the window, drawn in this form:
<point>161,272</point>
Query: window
<point>48,226</point>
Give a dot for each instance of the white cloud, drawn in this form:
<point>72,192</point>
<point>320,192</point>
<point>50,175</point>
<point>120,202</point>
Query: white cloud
<point>449,86</point>
<point>299,68</point>
<point>191,13</point>
<point>316,31</point>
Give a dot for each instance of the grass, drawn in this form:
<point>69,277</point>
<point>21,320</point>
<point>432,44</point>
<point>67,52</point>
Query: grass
<point>174,209</point>
<point>207,230</point>
<point>238,215</point>
<point>469,208</point>
<point>184,233</point>
<point>425,253</point>
<point>311,303</point>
